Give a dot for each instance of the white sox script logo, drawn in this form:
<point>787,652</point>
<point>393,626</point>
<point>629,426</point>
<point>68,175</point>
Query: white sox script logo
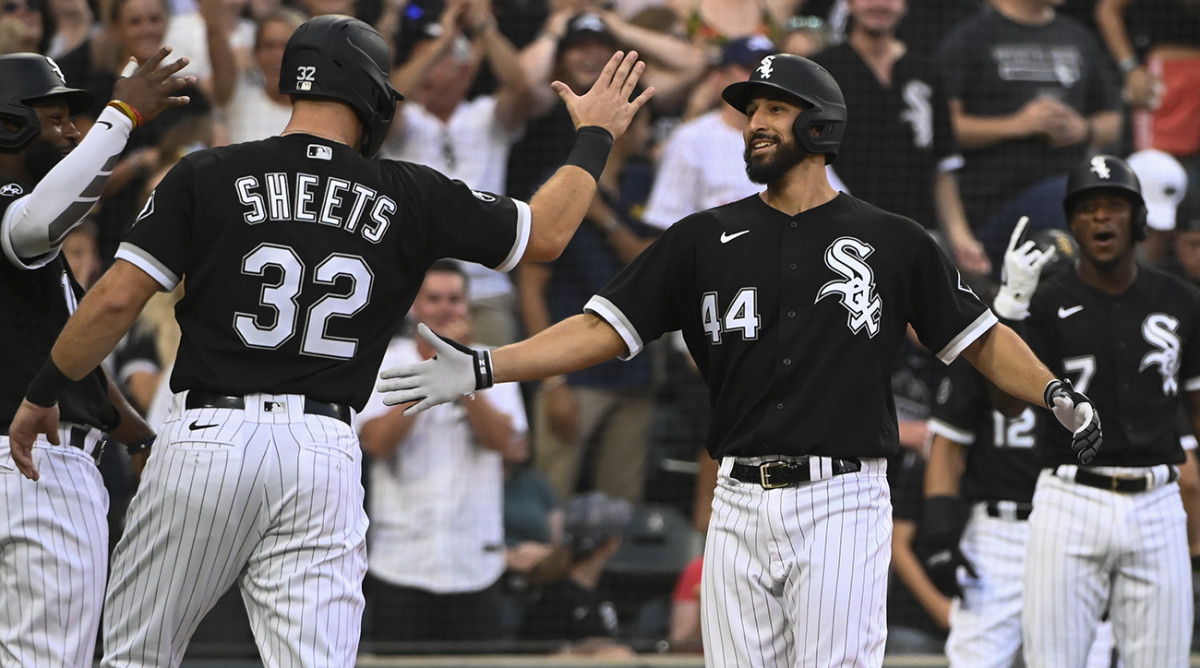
<point>1159,330</point>
<point>765,69</point>
<point>1100,168</point>
<point>845,256</point>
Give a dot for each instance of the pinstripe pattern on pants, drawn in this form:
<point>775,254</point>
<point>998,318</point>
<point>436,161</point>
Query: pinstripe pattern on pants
<point>798,576</point>
<point>1091,549</point>
<point>270,500</point>
<point>53,557</point>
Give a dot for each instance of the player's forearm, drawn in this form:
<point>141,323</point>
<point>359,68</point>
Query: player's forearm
<point>557,208</point>
<point>382,435</point>
<point>103,317</point>
<point>575,343</point>
<point>1005,359</point>
<point>132,427</point>
<point>943,470</point>
<point>982,131</point>
<point>493,429</point>
<point>1106,127</point>
<point>1110,21</point>
<point>39,222</point>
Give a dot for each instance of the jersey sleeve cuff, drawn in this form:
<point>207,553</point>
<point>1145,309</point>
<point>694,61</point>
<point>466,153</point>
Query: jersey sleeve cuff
<point>608,312</point>
<point>149,264</point>
<point>950,432</point>
<point>524,228</point>
<point>983,323</point>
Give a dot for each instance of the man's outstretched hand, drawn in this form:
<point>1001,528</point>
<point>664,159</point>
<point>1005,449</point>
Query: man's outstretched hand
<point>455,371</point>
<point>607,103</point>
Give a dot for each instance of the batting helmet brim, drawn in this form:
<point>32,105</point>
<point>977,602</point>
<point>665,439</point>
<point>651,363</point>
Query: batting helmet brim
<point>77,100</point>
<point>739,94</point>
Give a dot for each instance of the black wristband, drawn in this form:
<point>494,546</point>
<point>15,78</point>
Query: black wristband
<point>144,444</point>
<point>592,144</point>
<point>43,389</point>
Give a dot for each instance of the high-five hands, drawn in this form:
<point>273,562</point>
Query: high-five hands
<point>151,88</point>
<point>455,371</point>
<point>1023,262</point>
<point>607,103</point>
<point>1074,410</point>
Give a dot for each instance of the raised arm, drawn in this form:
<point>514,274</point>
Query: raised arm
<point>602,114</point>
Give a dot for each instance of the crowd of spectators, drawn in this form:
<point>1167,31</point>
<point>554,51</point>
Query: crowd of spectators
<point>965,115</point>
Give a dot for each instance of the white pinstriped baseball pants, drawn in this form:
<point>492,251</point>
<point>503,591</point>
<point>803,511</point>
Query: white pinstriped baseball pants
<point>985,624</point>
<point>270,500</point>
<point>1092,548</point>
<point>797,577</point>
<point>53,556</point>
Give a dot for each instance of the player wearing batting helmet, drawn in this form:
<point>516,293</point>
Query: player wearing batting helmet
<point>53,534</point>
<point>301,255</point>
<point>793,303</point>
<point>1110,535</point>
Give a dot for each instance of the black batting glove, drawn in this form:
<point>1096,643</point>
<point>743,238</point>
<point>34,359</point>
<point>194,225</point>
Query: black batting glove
<point>943,522</point>
<point>1075,411</point>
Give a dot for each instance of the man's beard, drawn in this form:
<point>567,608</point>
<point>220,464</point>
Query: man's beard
<point>40,157</point>
<point>768,170</point>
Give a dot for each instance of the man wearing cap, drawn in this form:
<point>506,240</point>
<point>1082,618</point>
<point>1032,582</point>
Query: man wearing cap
<point>900,152</point>
<point>701,165</point>
<point>1164,182</point>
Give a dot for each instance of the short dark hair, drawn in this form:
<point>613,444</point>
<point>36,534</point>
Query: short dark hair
<point>446,265</point>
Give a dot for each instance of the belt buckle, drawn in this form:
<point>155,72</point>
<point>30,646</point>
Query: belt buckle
<point>1116,481</point>
<point>764,474</point>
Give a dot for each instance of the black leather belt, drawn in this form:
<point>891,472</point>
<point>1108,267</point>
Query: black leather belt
<point>1120,483</point>
<point>1009,510</point>
<point>778,474</point>
<point>204,399</point>
<point>77,438</point>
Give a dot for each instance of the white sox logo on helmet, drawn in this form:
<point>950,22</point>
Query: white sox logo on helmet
<point>845,256</point>
<point>765,68</point>
<point>1100,167</point>
<point>1159,330</point>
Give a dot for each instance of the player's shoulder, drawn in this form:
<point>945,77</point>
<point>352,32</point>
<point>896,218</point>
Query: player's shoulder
<point>1158,281</point>
<point>848,208</point>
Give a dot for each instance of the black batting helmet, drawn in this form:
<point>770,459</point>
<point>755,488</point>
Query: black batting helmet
<point>341,58</point>
<point>1066,250</point>
<point>1108,173</point>
<point>30,78</point>
<point>813,85</point>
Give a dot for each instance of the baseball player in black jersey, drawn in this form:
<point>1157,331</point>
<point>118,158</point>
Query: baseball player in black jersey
<point>301,255</point>
<point>53,533</point>
<point>1110,535</point>
<point>793,303</point>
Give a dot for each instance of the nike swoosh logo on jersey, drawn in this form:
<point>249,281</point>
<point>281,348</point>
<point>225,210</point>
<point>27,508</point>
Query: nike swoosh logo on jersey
<point>1064,312</point>
<point>727,237</point>
<point>197,427</point>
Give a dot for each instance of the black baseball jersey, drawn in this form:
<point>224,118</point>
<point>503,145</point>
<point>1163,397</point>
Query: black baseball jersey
<point>302,257</point>
<point>795,322</point>
<point>1001,464</point>
<point>1133,354</point>
<point>36,299</point>
<point>899,134</point>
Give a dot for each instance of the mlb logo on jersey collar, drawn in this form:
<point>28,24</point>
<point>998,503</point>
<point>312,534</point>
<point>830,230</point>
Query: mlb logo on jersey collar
<point>319,152</point>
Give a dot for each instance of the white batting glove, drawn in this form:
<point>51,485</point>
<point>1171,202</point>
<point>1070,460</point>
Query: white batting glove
<point>1019,276</point>
<point>455,371</point>
<point>1074,410</point>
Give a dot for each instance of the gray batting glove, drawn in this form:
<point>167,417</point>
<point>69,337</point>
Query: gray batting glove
<point>1074,410</point>
<point>455,371</point>
<point>1022,268</point>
